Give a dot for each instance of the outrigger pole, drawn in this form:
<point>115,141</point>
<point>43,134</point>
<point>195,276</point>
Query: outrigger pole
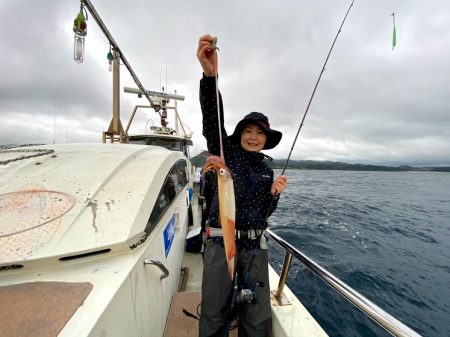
<point>315,87</point>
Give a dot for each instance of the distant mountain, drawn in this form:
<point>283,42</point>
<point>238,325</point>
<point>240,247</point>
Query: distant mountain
<point>332,165</point>
<point>200,160</point>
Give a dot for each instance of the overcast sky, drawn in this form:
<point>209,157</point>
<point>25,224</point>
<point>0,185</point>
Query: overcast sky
<point>373,104</point>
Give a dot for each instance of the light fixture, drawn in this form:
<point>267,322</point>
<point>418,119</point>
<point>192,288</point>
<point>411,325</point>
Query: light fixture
<point>80,30</point>
<point>110,58</point>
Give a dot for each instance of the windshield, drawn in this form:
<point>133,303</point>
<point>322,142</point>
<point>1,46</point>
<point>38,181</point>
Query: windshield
<point>168,143</point>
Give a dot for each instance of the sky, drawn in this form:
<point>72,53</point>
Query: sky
<point>374,104</point>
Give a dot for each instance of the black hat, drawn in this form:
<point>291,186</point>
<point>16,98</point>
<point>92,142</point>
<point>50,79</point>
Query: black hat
<point>273,136</point>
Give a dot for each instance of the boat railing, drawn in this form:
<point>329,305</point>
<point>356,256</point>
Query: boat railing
<point>378,315</point>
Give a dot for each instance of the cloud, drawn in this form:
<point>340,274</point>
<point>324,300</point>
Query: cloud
<point>373,104</point>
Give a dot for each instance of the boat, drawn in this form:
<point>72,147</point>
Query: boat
<point>86,233</point>
<point>98,239</point>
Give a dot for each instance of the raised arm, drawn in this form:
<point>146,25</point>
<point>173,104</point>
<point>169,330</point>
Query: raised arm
<point>207,57</point>
<point>208,104</point>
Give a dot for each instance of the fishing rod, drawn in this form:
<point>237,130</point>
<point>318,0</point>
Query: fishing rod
<point>303,120</point>
<point>314,91</point>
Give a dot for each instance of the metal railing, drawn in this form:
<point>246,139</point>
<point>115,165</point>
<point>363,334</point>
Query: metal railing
<point>378,315</point>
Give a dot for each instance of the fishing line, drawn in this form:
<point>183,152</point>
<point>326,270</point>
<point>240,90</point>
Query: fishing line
<point>214,47</point>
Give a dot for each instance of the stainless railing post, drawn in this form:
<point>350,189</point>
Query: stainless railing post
<point>283,275</point>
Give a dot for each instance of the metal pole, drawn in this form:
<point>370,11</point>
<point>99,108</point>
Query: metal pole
<point>283,275</point>
<point>108,35</point>
<point>153,93</point>
<point>176,111</point>
<point>116,92</point>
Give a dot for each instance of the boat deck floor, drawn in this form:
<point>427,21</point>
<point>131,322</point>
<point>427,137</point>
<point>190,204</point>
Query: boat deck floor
<point>178,323</point>
<point>287,320</point>
<point>181,325</point>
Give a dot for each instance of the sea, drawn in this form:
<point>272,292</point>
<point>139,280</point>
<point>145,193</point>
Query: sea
<point>386,234</point>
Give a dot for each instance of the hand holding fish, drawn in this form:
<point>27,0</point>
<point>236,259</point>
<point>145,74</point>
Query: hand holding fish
<point>207,55</point>
<point>279,185</point>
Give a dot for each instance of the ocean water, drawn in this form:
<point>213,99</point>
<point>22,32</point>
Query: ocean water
<point>386,234</point>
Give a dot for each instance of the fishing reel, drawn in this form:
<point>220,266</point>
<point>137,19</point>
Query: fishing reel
<point>246,295</point>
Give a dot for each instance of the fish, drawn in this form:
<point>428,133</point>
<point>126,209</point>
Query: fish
<point>227,207</point>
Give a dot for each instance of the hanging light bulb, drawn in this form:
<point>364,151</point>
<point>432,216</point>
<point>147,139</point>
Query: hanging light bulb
<point>80,30</point>
<point>78,48</point>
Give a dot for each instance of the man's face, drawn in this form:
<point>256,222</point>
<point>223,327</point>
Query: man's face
<point>253,138</point>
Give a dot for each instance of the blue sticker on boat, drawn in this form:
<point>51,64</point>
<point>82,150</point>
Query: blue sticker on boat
<point>169,234</point>
<point>190,193</point>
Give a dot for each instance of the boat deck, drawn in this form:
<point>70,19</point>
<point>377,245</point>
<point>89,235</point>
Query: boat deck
<point>287,320</point>
<point>178,323</point>
<point>181,325</point>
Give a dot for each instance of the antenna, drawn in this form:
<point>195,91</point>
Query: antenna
<point>54,125</point>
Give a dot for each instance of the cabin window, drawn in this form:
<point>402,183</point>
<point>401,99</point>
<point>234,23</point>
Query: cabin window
<point>174,183</point>
<point>169,143</point>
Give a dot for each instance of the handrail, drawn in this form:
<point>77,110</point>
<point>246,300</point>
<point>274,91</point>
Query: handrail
<point>160,265</point>
<point>378,315</point>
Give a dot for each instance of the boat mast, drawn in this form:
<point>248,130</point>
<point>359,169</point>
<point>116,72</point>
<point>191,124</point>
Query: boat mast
<point>158,100</point>
<point>115,128</point>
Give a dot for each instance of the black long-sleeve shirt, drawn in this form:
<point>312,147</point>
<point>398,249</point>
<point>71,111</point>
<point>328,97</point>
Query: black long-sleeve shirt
<point>252,177</point>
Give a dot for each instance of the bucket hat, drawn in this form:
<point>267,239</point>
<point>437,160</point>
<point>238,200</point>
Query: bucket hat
<point>273,136</point>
